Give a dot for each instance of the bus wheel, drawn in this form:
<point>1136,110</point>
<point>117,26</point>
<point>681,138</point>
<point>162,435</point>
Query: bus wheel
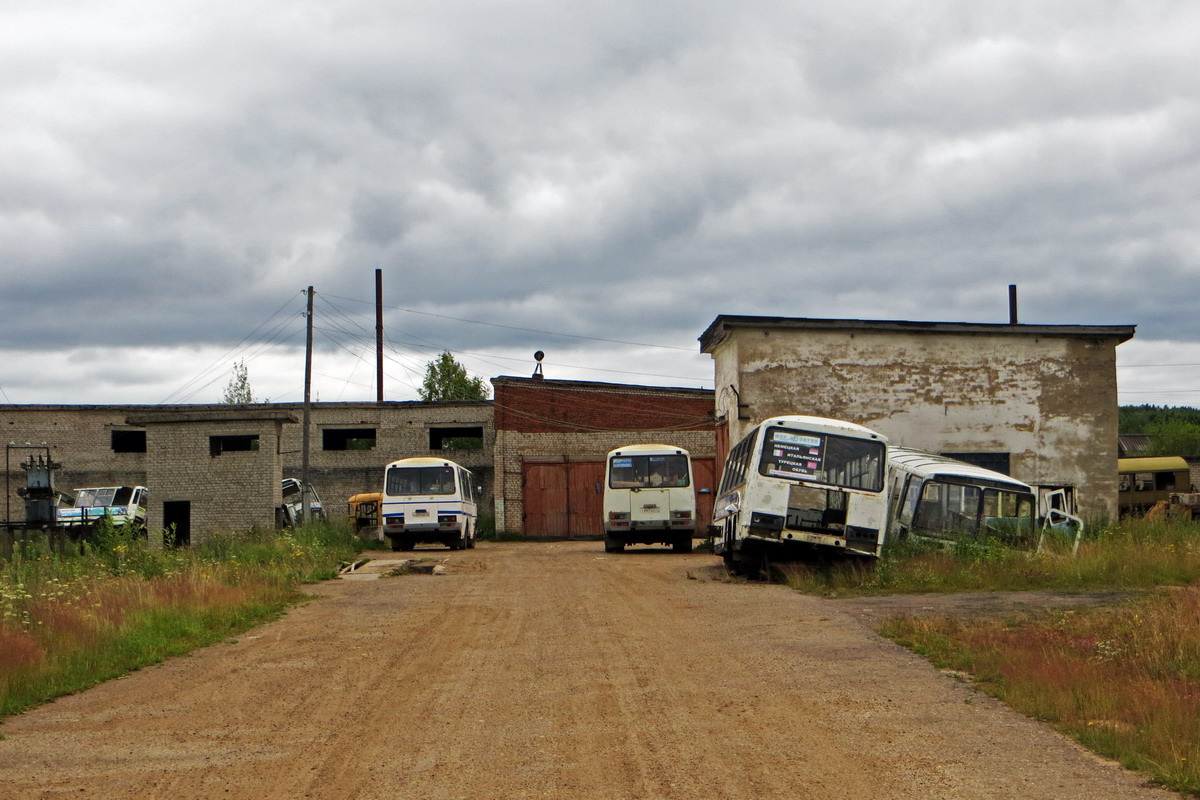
<point>683,545</point>
<point>612,545</point>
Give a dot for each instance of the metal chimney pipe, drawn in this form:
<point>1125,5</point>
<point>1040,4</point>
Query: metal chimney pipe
<point>1012,304</point>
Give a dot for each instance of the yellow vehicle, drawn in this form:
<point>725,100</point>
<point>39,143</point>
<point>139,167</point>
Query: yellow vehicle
<point>363,511</point>
<point>1142,482</point>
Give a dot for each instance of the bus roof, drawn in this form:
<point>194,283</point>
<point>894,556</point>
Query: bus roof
<point>1159,464</point>
<point>648,449</point>
<point>824,425</point>
<point>942,466</point>
<point>425,462</point>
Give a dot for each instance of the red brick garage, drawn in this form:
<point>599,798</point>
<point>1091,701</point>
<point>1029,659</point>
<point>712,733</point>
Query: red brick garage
<point>552,437</point>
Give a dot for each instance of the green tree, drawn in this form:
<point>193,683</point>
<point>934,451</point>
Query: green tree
<point>446,379</point>
<point>238,390</point>
<point>1173,437</point>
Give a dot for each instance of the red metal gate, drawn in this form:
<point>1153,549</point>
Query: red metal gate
<point>561,499</point>
<point>565,499</point>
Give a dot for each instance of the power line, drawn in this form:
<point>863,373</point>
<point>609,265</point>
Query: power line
<point>233,350</point>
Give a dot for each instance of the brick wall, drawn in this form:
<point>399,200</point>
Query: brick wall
<point>231,491</point>
<point>81,438</point>
<point>581,421</point>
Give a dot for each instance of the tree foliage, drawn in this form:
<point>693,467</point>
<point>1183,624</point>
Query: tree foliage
<point>238,390</point>
<point>1140,419</point>
<point>446,379</point>
<point>1175,431</point>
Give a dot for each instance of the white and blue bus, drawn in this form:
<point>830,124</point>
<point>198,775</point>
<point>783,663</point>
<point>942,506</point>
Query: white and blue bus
<point>122,505</point>
<point>428,501</point>
<point>798,485</point>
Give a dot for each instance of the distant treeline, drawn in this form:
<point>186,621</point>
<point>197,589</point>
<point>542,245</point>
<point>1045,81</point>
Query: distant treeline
<point>1176,430</point>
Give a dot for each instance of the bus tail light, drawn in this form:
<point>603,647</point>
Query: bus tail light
<point>681,515</point>
<point>447,521</point>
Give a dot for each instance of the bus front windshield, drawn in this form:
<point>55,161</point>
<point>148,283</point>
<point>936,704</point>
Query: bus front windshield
<point>823,458</point>
<point>420,480</point>
<point>647,472</point>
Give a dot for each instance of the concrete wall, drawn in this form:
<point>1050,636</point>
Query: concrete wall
<point>1048,400</point>
<point>582,421</point>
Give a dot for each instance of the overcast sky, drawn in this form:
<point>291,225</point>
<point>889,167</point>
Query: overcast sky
<point>598,181</point>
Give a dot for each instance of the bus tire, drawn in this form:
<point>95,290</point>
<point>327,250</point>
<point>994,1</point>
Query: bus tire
<point>613,545</point>
<point>683,545</point>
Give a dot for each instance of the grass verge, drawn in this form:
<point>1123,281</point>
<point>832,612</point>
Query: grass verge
<point>1124,682</point>
<point>68,622</point>
<point>1131,555</point>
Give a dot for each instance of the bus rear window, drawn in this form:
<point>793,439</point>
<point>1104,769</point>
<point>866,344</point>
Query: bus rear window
<point>420,480</point>
<point>822,458</point>
<point>645,472</point>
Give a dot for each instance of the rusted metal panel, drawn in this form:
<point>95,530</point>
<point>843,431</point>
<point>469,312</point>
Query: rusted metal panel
<point>704,477</point>
<point>585,505</point>
<point>545,499</point>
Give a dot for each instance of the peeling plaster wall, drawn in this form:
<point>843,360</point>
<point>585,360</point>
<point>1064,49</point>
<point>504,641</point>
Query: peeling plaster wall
<point>1048,401</point>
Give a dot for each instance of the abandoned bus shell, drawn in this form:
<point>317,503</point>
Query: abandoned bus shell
<point>428,500</point>
<point>1146,481</point>
<point>293,502</point>
<point>122,505</point>
<point>648,497</point>
<point>939,498</point>
<point>797,484</point>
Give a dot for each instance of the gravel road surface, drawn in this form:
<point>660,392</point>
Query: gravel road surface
<point>535,670</point>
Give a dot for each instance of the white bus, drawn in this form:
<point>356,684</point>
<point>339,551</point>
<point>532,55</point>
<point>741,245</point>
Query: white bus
<point>428,500</point>
<point>942,499</point>
<point>123,505</point>
<point>797,484</point>
<point>648,498</point>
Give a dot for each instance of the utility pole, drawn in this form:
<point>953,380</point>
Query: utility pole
<point>305,502</point>
<point>379,336</point>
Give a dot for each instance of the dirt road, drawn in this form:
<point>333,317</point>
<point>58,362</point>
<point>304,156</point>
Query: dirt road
<point>548,671</point>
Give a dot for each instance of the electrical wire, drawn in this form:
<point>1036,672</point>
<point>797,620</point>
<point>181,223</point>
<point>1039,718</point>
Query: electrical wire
<point>231,351</point>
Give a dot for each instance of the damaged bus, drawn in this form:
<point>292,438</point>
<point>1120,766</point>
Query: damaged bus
<point>942,499</point>
<point>799,485</point>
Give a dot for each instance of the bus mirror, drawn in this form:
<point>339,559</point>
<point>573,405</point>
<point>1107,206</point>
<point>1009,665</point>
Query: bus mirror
<point>599,490</point>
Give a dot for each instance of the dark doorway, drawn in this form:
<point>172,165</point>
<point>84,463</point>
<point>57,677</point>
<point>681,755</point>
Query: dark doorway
<point>177,523</point>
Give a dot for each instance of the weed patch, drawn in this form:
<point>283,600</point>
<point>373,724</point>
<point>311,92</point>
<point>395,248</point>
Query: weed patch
<point>70,621</point>
<point>1124,682</point>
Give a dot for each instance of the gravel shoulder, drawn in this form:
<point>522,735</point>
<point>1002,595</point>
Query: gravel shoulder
<point>549,670</point>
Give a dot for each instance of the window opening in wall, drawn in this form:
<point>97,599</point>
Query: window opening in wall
<point>129,441</point>
<point>348,439</point>
<point>468,437</point>
<point>231,444</point>
<point>997,462</point>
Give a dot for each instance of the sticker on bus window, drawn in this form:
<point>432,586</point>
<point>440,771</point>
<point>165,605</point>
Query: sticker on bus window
<point>622,463</point>
<point>795,438</point>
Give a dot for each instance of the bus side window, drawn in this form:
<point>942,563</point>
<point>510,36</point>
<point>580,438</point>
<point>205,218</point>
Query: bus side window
<point>910,501</point>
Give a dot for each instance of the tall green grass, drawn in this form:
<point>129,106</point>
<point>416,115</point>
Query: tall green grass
<point>71,620</point>
<point>1133,554</point>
